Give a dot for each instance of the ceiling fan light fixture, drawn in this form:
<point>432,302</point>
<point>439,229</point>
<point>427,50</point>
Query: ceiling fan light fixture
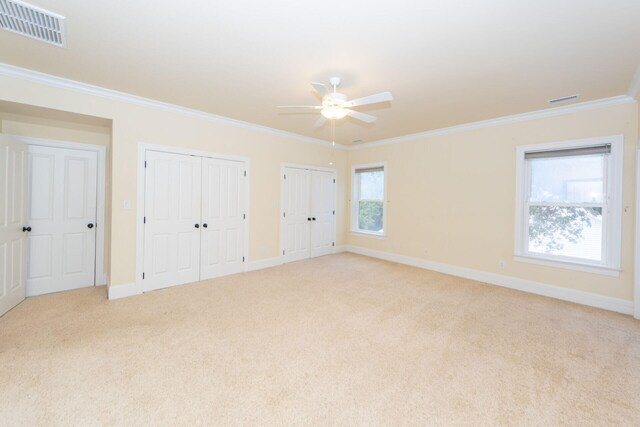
<point>333,112</point>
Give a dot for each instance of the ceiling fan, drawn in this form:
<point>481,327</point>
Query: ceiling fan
<point>336,106</point>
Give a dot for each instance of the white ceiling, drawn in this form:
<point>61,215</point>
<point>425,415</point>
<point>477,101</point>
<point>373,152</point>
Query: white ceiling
<point>446,62</point>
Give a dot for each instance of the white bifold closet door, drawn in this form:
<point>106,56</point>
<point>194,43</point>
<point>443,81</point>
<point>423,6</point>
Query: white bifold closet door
<point>323,214</point>
<point>309,221</point>
<point>13,185</point>
<point>61,216</point>
<point>296,214</point>
<point>194,219</point>
<point>172,219</point>
<point>223,217</point>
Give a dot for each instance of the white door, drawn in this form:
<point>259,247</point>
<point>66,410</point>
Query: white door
<point>296,214</point>
<point>323,224</point>
<point>223,217</point>
<point>172,219</point>
<point>13,189</point>
<point>62,217</point>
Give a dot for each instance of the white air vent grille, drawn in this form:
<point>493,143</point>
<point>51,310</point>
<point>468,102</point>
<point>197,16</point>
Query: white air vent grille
<point>22,18</point>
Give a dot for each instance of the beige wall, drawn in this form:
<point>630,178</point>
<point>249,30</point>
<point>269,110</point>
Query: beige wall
<point>133,124</point>
<point>434,183</point>
<point>451,198</point>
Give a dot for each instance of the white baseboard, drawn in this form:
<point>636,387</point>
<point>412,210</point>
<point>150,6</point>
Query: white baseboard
<point>123,291</point>
<point>618,305</point>
<point>264,263</point>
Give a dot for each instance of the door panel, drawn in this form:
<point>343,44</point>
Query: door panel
<point>296,211</point>
<point>13,188</point>
<point>323,198</point>
<point>172,209</point>
<point>223,212</point>
<point>62,203</point>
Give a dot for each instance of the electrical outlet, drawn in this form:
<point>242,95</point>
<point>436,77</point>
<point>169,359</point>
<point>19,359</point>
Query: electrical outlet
<point>501,264</point>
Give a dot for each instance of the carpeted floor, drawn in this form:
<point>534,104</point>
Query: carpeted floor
<point>337,340</point>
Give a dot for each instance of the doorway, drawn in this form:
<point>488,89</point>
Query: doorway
<point>52,229</point>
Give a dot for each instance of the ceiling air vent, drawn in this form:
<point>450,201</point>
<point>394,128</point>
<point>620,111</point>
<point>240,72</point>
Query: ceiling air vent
<point>557,100</point>
<point>22,18</point>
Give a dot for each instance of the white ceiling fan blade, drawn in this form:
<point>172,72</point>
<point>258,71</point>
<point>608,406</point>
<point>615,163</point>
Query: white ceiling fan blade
<point>371,99</point>
<point>319,87</point>
<point>315,107</point>
<point>320,122</point>
<point>367,118</point>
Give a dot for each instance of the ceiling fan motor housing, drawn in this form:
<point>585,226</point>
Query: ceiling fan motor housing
<point>334,99</point>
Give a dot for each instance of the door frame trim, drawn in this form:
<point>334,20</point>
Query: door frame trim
<point>284,165</point>
<point>636,267</point>
<point>140,193</point>
<point>101,276</point>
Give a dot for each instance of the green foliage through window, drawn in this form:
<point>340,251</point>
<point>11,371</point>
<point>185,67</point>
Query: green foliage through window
<point>550,226</point>
<point>370,215</point>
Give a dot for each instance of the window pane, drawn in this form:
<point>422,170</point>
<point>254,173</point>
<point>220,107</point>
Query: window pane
<point>370,216</point>
<point>569,231</point>
<point>568,179</point>
<point>372,185</point>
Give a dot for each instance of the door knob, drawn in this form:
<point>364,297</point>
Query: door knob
<point>205,225</point>
<point>197,225</point>
<point>313,219</point>
<point>26,229</point>
<point>308,219</point>
<point>90,225</point>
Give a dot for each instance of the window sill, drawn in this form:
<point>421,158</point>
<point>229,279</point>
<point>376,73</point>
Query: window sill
<point>365,234</point>
<point>585,268</point>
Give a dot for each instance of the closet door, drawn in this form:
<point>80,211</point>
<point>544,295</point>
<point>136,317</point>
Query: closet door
<point>223,217</point>
<point>296,219</point>
<point>62,217</point>
<point>323,196</point>
<point>172,219</point>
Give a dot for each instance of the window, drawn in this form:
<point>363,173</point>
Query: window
<point>569,204</point>
<point>368,200</point>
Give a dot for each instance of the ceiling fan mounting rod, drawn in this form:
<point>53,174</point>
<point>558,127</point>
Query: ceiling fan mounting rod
<point>335,82</point>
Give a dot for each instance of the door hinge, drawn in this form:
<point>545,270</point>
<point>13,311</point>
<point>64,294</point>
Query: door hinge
<point>245,173</point>
<point>282,252</point>
<point>244,216</point>
<point>144,219</point>
<point>334,212</point>
<point>242,259</point>
<point>334,180</point>
<point>333,243</point>
<point>145,163</point>
<point>284,214</point>
<point>142,276</point>
<point>285,176</point>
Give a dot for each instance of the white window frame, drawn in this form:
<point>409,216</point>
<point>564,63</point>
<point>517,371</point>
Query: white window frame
<point>612,216</point>
<point>355,198</point>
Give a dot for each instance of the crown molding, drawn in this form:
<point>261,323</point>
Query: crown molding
<point>634,87</point>
<point>551,112</point>
<point>62,83</point>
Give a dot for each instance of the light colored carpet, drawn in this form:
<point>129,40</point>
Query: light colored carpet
<point>338,340</point>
